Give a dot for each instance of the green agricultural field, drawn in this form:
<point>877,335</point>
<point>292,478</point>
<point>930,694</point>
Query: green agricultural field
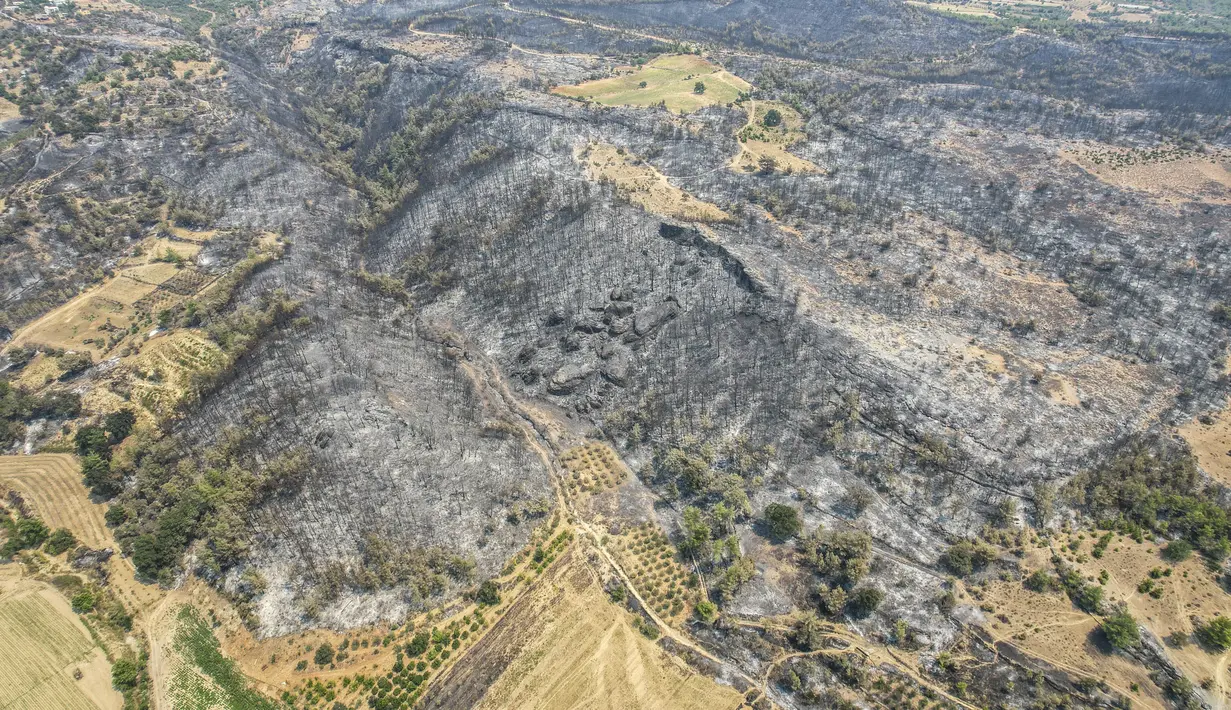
<point>203,677</point>
<point>670,78</point>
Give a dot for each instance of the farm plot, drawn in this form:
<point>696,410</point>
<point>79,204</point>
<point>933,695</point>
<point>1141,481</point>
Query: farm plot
<point>201,676</point>
<point>650,560</point>
<point>41,644</point>
<point>566,645</point>
<point>592,468</point>
<point>162,373</point>
<point>51,485</point>
<point>670,79</point>
<point>97,319</point>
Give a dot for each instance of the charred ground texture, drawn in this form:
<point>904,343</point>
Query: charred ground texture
<point>951,312</point>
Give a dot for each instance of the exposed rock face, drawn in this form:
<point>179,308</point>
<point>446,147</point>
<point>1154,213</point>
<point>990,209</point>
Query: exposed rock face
<point>569,377</point>
<point>649,320</point>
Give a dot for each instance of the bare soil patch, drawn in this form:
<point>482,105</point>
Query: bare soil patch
<point>1209,436</point>
<point>642,185</point>
<point>1168,173</point>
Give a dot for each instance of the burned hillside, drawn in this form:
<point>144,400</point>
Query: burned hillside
<point>838,297</point>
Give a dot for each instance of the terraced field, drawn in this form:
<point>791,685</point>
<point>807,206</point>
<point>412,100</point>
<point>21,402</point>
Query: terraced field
<point>162,373</point>
<point>51,484</point>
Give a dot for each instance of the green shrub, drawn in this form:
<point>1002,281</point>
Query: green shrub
<point>119,425</point>
<point>83,601</point>
<point>324,654</point>
<point>418,644</point>
<point>96,473</point>
<point>1089,598</point>
<point>864,601</point>
<point>965,557</point>
<point>124,674</point>
<point>25,534</point>
<point>1177,551</point>
<point>59,541</point>
<point>782,521</point>
<point>116,515</point>
<point>489,593</point>
<point>1041,581</point>
<point>1121,630</point>
<point>74,363</point>
<point>1217,633</point>
<point>92,440</point>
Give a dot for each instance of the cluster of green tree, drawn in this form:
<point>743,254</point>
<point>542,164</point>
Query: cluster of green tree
<point>95,445</point>
<point>721,559</point>
<point>103,227</point>
<point>99,603</point>
<point>965,557</point>
<point>840,560</point>
<point>391,167</point>
<point>712,474</point>
<point>236,331</point>
<point>1151,484</point>
<point>191,213</point>
<point>715,479</point>
<point>18,407</point>
<point>404,683</point>
<point>130,675</point>
<point>424,572</point>
<point>178,500</point>
<point>393,170</point>
<point>23,533</point>
<point>1087,596</point>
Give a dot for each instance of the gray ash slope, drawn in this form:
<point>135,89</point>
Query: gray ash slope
<point>908,258</point>
<point>999,314</point>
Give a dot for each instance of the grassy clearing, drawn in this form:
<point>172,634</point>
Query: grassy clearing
<point>1169,599</point>
<point>641,184</point>
<point>669,79</point>
<point>761,139</point>
<point>41,641</point>
<point>1209,436</point>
